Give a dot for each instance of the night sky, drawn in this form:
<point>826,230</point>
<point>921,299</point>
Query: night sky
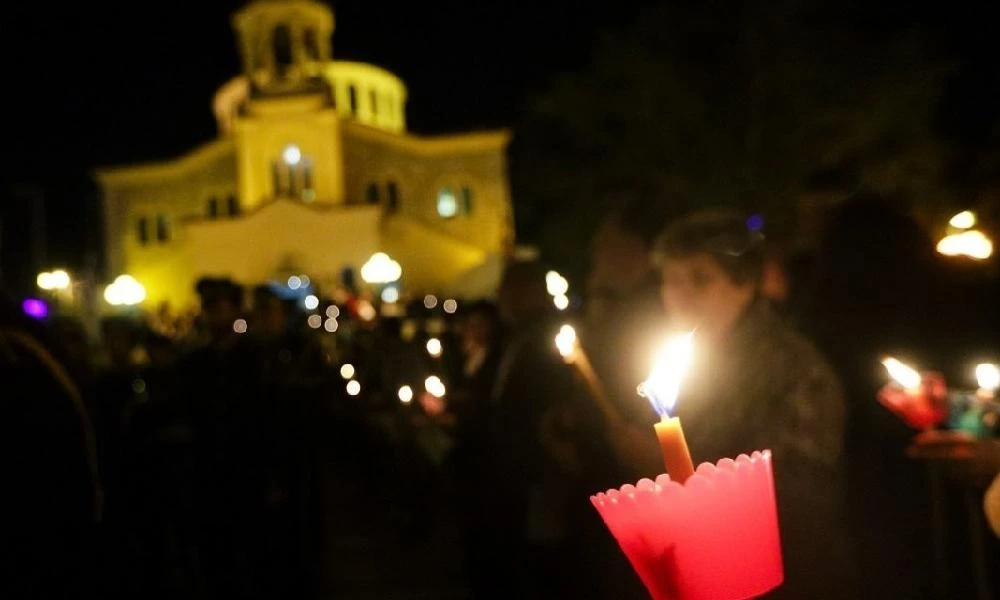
<point>108,83</point>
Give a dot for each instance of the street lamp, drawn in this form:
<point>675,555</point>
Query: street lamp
<point>124,291</point>
<point>54,280</point>
<point>381,269</point>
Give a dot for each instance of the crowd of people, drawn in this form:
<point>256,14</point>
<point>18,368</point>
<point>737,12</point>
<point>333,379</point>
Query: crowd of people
<point>194,466</point>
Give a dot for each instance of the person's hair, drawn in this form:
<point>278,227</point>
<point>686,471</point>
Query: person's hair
<point>722,234</point>
<point>219,290</point>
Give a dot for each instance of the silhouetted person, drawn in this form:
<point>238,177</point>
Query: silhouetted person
<point>755,384</point>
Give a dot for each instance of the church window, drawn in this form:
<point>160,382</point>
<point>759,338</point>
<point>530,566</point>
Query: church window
<point>312,44</point>
<point>276,182</point>
<point>232,206</point>
<point>162,228</point>
<point>308,193</point>
<point>213,208</point>
<point>392,197</point>
<point>282,46</point>
<point>143,230</point>
<point>352,93</point>
<point>371,193</point>
<point>466,200</point>
<point>447,204</point>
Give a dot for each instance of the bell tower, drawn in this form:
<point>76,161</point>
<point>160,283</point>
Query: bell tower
<point>283,44</point>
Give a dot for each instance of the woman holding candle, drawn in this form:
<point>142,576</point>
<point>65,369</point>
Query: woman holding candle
<point>755,383</point>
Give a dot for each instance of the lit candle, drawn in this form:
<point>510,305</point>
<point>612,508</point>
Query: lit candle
<point>569,348</point>
<point>920,399</point>
<point>661,388</point>
<point>902,374</point>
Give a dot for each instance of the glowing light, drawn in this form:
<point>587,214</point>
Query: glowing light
<point>669,368</point>
<point>139,386</point>
<point>333,311</point>
<point>902,374</point>
<point>447,205</point>
<point>331,325</point>
<point>755,223</point>
<point>963,220</point>
<point>314,321</point>
<point>347,371</point>
<point>291,155</point>
<point>310,302</point>
<point>390,295</point>
<point>304,279</point>
<point>561,301</point>
<point>56,280</point>
<point>971,243</point>
<point>366,311</point>
<point>566,341</point>
<point>124,291</point>
<point>556,284</point>
<point>353,388</point>
<point>434,386</point>
<point>405,394</point>
<point>240,326</point>
<point>450,306</point>
<point>988,376</point>
<point>35,308</point>
<point>430,301</point>
<point>434,347</point>
<point>381,269</point>
<point>294,282</point>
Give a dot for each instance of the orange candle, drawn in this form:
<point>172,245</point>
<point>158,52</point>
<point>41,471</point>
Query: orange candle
<point>676,456</point>
<point>661,388</point>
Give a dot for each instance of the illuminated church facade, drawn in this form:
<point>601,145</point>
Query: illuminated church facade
<point>312,172</point>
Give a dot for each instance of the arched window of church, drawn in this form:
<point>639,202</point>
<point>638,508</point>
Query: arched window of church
<point>232,206</point>
<point>466,200</point>
<point>447,204</point>
<point>352,93</point>
<point>371,193</point>
<point>392,197</point>
<point>312,44</point>
<point>213,208</point>
<point>142,229</point>
<point>282,42</point>
<point>162,228</point>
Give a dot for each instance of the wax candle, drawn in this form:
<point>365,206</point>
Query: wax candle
<point>661,388</point>
<point>920,399</point>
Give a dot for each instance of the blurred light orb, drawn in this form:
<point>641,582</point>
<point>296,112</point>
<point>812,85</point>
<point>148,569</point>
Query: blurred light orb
<point>331,325</point>
<point>353,387</point>
<point>35,308</point>
<point>390,295</point>
<point>304,279</point>
<point>556,284</point>
<point>561,301</point>
<point>333,311</point>
<point>240,325</point>
<point>310,302</point>
<point>430,301</point>
<point>314,321</point>
<point>434,386</point>
<point>405,394</point>
<point>963,220</point>
<point>450,306</point>
<point>434,347</point>
<point>56,280</point>
<point>294,282</point>
<point>988,376</point>
<point>124,291</point>
<point>366,311</point>
<point>903,374</point>
<point>291,155</point>
<point>971,243</point>
<point>566,341</point>
<point>755,222</point>
<point>347,371</point>
<point>381,269</point>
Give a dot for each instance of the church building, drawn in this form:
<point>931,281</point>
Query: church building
<point>312,172</point>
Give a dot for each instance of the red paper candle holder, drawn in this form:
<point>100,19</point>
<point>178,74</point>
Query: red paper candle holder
<point>713,538</point>
<point>922,408</point>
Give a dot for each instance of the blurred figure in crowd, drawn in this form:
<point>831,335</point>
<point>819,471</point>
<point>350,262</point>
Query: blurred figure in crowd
<point>755,384</point>
<point>53,492</point>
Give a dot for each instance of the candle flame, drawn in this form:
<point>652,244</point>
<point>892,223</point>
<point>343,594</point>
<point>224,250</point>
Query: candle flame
<point>566,341</point>
<point>903,374</point>
<point>988,376</point>
<point>669,368</point>
<point>434,386</point>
